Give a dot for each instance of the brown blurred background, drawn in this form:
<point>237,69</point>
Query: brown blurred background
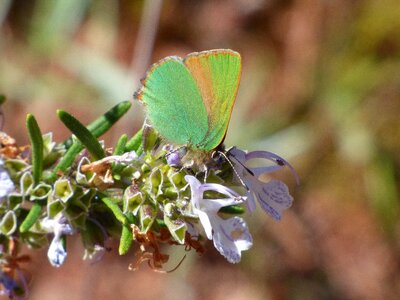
<point>320,86</point>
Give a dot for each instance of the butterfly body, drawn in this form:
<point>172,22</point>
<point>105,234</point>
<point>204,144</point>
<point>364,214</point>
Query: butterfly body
<point>189,100</point>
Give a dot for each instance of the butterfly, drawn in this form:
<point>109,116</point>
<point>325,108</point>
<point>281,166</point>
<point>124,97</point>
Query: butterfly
<point>189,100</point>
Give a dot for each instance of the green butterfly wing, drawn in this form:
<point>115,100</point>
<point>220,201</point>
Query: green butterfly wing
<point>173,102</point>
<point>191,100</point>
<point>217,74</point>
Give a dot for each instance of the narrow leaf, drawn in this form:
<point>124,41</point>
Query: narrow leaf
<point>67,159</point>
<point>97,128</point>
<point>120,147</point>
<point>31,218</point>
<point>126,240</point>
<point>83,134</point>
<point>115,210</point>
<point>35,136</point>
<point>106,121</point>
<point>135,143</point>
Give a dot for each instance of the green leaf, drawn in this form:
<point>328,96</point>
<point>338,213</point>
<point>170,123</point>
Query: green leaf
<point>67,159</point>
<point>106,121</point>
<point>120,147</point>
<point>35,136</point>
<point>135,143</point>
<point>126,240</point>
<point>31,218</point>
<point>97,128</point>
<point>115,210</point>
<point>83,134</point>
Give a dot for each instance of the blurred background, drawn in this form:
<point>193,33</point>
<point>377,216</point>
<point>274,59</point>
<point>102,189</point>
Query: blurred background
<point>320,86</point>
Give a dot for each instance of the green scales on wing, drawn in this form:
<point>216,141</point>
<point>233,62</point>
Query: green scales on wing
<point>190,100</point>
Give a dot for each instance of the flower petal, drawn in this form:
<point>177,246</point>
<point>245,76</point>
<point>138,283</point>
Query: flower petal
<point>272,157</point>
<point>193,182</point>
<point>241,157</point>
<point>206,223</point>
<point>214,205</point>
<point>197,194</point>
<point>251,202</point>
<point>56,253</point>
<point>220,189</point>
<point>6,184</point>
<point>274,197</point>
<point>231,237</point>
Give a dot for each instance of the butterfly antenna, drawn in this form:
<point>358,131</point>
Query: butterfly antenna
<point>234,169</point>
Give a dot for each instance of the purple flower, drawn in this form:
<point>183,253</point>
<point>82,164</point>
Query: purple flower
<point>230,236</point>
<point>273,196</point>
<point>173,159</point>
<point>6,184</point>
<point>174,156</point>
<point>8,284</point>
<point>59,226</point>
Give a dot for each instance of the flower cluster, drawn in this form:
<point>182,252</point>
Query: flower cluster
<point>50,190</point>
